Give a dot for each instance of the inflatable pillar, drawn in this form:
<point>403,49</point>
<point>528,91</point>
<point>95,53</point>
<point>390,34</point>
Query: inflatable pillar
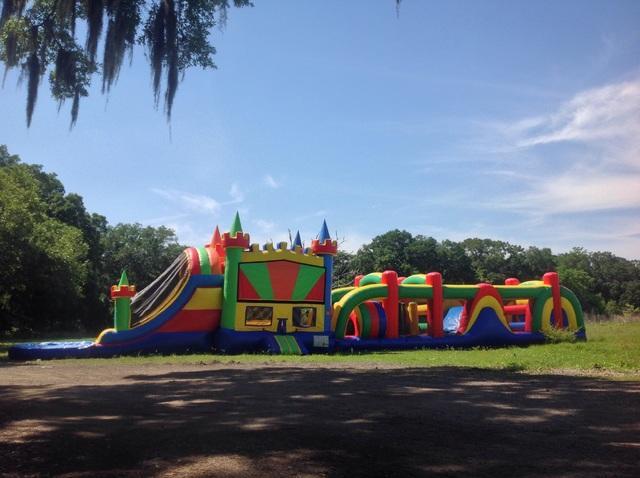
<point>327,248</point>
<point>552,279</point>
<point>121,294</point>
<point>390,304</point>
<point>233,243</point>
<point>436,305</point>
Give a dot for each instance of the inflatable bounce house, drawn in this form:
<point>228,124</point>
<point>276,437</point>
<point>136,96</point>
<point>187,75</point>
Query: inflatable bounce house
<point>231,296</point>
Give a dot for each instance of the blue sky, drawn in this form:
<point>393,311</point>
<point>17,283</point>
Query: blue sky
<point>511,120</point>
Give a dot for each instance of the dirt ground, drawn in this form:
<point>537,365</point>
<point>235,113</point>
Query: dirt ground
<point>74,420</point>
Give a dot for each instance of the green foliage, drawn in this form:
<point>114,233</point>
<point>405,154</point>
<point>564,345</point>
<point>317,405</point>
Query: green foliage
<point>343,269</point>
<point>43,263</point>
<point>557,336</point>
<point>40,36</point>
<point>603,282</point>
<point>58,261</point>
<point>144,252</point>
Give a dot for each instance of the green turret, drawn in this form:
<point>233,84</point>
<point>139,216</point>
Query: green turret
<point>234,242</point>
<point>121,294</point>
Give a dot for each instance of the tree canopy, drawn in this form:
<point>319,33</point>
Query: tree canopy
<point>604,282</point>
<point>58,261</point>
<point>41,36</point>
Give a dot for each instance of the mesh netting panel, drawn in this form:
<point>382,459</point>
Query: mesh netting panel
<point>149,298</point>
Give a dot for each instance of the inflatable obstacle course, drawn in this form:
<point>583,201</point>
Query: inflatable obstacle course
<point>232,296</point>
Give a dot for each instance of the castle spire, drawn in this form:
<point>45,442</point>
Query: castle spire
<point>236,227</point>
<point>216,238</point>
<point>324,244</point>
<point>324,232</point>
<point>235,237</point>
<point>297,242</point>
<point>124,280</point>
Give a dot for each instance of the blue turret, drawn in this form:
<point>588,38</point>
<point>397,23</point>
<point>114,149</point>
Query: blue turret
<point>324,233</point>
<point>297,242</point>
<point>327,248</point>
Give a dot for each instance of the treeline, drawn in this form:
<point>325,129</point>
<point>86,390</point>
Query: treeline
<point>604,283</point>
<point>58,261</point>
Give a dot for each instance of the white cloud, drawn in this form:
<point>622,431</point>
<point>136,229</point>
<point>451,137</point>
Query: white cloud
<point>188,235</point>
<point>351,241</point>
<point>192,202</point>
<point>607,113</point>
<point>271,182</point>
<point>264,225</point>
<point>319,213</point>
<point>604,173</point>
<point>578,193</point>
<point>267,231</point>
<point>237,196</point>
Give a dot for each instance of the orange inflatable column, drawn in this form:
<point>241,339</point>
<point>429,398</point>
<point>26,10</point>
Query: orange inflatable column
<point>434,279</point>
<point>552,279</point>
<point>356,281</point>
<point>390,278</point>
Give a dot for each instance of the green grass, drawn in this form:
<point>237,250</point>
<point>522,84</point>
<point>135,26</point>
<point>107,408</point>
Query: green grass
<point>612,349</point>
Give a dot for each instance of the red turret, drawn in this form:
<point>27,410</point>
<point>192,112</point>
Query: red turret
<point>235,238</point>
<point>215,239</point>
<point>324,245</point>
<point>119,291</point>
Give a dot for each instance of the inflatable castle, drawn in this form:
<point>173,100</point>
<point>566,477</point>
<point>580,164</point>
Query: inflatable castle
<point>232,296</point>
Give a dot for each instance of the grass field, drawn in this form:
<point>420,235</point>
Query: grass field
<point>612,349</point>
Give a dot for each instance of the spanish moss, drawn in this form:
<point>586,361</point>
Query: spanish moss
<point>157,46</point>
<point>32,68</point>
<point>11,8</point>
<point>40,37</point>
<point>172,57</point>
<point>95,12</point>
<point>124,16</point>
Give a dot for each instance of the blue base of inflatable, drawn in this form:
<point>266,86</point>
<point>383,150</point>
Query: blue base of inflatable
<point>488,331</point>
<point>163,343</point>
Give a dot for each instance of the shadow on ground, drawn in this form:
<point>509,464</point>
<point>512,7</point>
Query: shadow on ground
<point>290,421</point>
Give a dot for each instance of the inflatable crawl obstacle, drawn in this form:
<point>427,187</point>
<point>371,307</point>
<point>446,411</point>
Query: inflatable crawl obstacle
<point>231,296</point>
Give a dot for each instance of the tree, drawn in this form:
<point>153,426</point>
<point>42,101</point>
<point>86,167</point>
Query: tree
<point>456,265</point>
<point>58,261</point>
<point>39,36</point>
<point>387,251</point>
<point>582,284</point>
<point>494,261</point>
<point>43,262</point>
<point>538,261</point>
<point>145,252</point>
<point>344,269</point>
<point>422,254</point>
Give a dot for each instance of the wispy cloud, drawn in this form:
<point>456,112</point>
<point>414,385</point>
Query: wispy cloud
<point>189,201</point>
<point>264,225</point>
<point>199,203</point>
<point>237,196</point>
<point>602,171</point>
<point>321,213</point>
<point>271,182</point>
<point>610,112</point>
<point>351,241</point>
<point>582,193</point>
